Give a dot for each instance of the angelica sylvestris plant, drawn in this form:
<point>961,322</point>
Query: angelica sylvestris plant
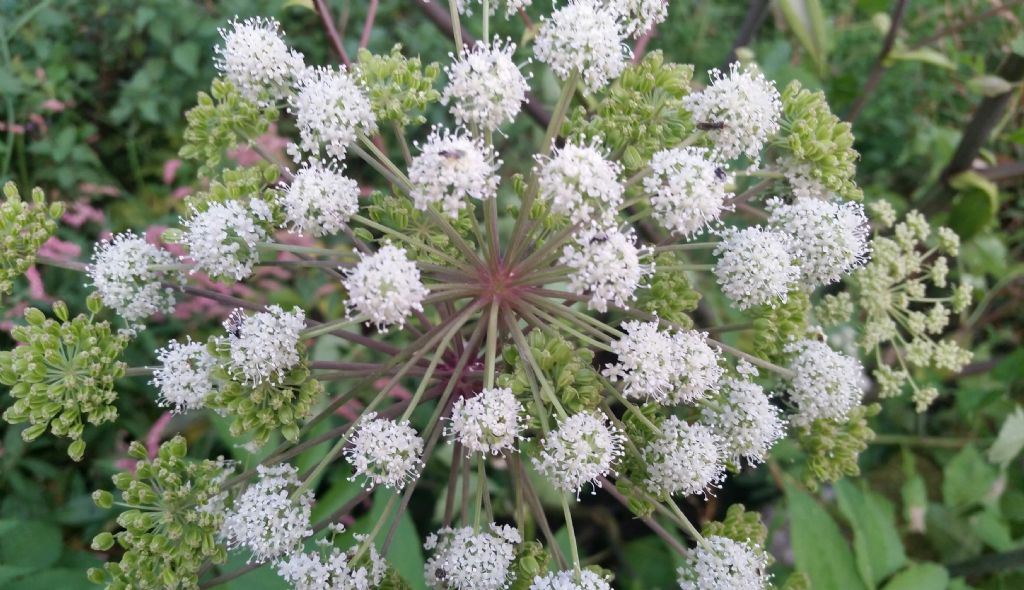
<point>540,316</point>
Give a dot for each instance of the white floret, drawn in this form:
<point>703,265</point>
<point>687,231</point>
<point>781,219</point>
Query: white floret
<point>266,519</point>
<point>755,266</point>
<point>222,239</point>
<point>583,449</point>
<point>485,86</point>
<point>687,189</point>
<point>579,182</point>
<point>319,201</point>
<point>384,452</point>
<point>331,110</point>
<point>829,239</point>
<point>385,287</point>
<point>465,559</point>
<point>684,459</point>
<point>265,345</point>
<point>583,36</point>
<point>122,274</point>
<point>450,168</point>
<point>826,384</point>
<point>724,564</point>
<point>605,263</point>
<point>489,422</point>
<point>257,61</point>
<point>184,378</point>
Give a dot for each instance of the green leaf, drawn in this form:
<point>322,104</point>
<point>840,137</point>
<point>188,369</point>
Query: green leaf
<point>992,529</point>
<point>967,479</point>
<point>62,578</point>
<point>925,55</point>
<point>976,204</point>
<point>920,576</point>
<point>819,548</point>
<point>186,57</point>
<point>1010,440</point>
<point>807,20</point>
<point>30,543</point>
<point>989,85</point>
<point>876,541</point>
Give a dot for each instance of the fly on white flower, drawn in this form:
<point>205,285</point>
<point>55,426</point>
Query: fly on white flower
<point>450,168</point>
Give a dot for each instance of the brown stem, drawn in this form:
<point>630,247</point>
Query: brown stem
<point>752,22</point>
<point>332,31</point>
<point>652,524</point>
<point>371,15</point>
<point>879,67</point>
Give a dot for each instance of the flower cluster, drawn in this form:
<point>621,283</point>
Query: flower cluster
<point>583,449</point>
<point>127,275</point>
<point>24,227</point>
<point>385,452</point>
<point>724,564</point>
<point>468,559</point>
<point>271,517</point>
<point>490,422</point>
<point>583,38</point>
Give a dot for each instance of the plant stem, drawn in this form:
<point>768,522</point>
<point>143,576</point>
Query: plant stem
<point>328,327</point>
<point>492,345</point>
<point>572,537</point>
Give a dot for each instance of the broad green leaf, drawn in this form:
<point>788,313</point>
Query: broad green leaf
<point>649,565</point>
<point>30,543</point>
<point>967,479</point>
<point>186,57</point>
<point>925,55</point>
<point>807,20</point>
<point>992,529</point>
<point>819,548</point>
<point>920,576</point>
<point>261,578</point>
<point>1010,440</point>
<point>52,579</point>
<point>876,541</point>
<point>975,206</point>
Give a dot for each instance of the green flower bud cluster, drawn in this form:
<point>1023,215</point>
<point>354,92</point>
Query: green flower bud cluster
<point>219,122</point>
<point>170,531</point>
<point>24,227</point>
<point>816,137</point>
<point>641,113</point>
<point>740,526</point>
<point>668,293</point>
<point>832,446</point>
<point>399,214</point>
<point>261,409</point>
<point>399,88</point>
<point>899,294</point>
<point>63,374</point>
<point>531,560</point>
<point>242,184</point>
<point>775,326</point>
<point>566,368</point>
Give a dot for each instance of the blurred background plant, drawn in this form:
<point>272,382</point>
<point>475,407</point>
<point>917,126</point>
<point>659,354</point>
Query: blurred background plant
<point>93,95</point>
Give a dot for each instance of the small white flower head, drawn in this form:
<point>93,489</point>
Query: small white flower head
<point>265,345</point>
<point>511,6</point>
<point>222,240</point>
<point>265,518</point>
<point>684,459</point>
<point>319,201</point>
<point>331,110</point>
<point>755,266</point>
<point>184,377</point>
<point>566,580</point>
<point>801,181</point>
<point>639,16</point>
<point>829,239</point>
<point>384,452</point>
<point>745,419</point>
<point>582,449</point>
<point>256,59</point>
<point>583,36</point>
<point>120,272</point>
<point>451,167</point>
<point>385,287</point>
<point>485,87</point>
<point>579,182</point>
<point>606,264</point>
<point>664,367</point>
<point>686,189</point>
<point>332,571</point>
<point>742,109</point>
<point>489,422</point>
<point>724,564</point>
<point>465,560</point>
<point>827,384</point>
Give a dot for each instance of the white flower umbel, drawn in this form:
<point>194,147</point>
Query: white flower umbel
<point>745,419</point>
<point>827,384</point>
<point>740,111</point>
<point>639,16</point>
<point>829,239</point>
<point>319,201</point>
<point>384,452</point>
<point>451,167</point>
<point>385,287</point>
<point>467,560</point>
<point>331,110</point>
<point>333,571</point>
<point>802,182</point>
<point>724,564</point>
<point>222,240</point>
<point>265,519</point>
<point>755,266</point>
<point>489,422</point>
<point>664,367</point>
<point>684,459</point>
<point>566,580</point>
<point>583,36</point>
<point>121,273</point>
<point>485,87</point>
<point>184,377</point>
<point>579,182</point>
<point>582,449</point>
<point>265,345</point>
<point>686,189</point>
<point>256,59</point>
<point>606,264</point>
